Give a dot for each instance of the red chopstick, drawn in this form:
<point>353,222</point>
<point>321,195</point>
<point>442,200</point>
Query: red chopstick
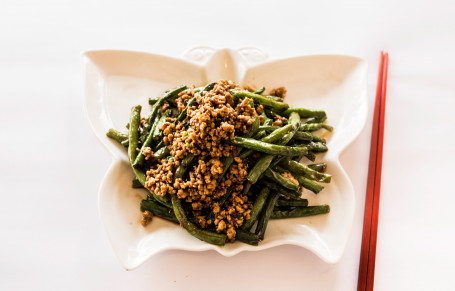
<point>370,219</point>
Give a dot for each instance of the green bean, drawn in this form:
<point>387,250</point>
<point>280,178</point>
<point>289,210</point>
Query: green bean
<point>264,162</point>
<point>260,134</point>
<point>280,190</point>
<point>292,203</point>
<point>276,98</point>
<point>308,184</point>
<point>298,168</point>
<point>271,113</point>
<point>298,158</point>
<point>157,133</point>
<point>184,165</point>
<point>201,89</point>
<point>183,114</point>
<point>315,120</point>
<point>260,167</point>
<point>303,181</point>
<point>281,180</point>
<point>204,235</point>
<point>195,90</point>
<point>314,127</point>
<point>267,120</point>
<point>135,183</point>
<point>158,145</point>
<point>246,188</point>
<point>279,106</point>
<point>310,156</point>
<point>302,135</point>
<point>246,154</point>
<point>144,133</point>
<point>146,143</point>
<point>259,91</point>
<point>317,147</point>
<point>125,143</point>
<point>254,127</point>
<point>294,119</point>
<point>278,134</point>
<point>267,148</point>
<point>152,116</point>
<point>305,113</point>
<point>153,100</point>
<point>226,165</point>
<point>174,93</point>
<point>225,197</point>
<point>318,139</point>
<point>280,169</point>
<point>135,119</point>
<point>159,154</point>
<point>300,212</point>
<point>208,87</point>
<point>265,215</point>
<point>158,210</point>
<point>269,128</point>
<point>116,135</point>
<point>246,237</point>
<point>257,208</point>
<point>318,167</point>
<point>275,161</point>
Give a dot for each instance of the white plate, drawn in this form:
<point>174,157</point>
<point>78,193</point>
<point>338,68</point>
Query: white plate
<point>117,80</point>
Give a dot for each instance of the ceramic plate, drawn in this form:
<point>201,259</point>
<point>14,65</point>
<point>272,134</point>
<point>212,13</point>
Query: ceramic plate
<point>117,80</point>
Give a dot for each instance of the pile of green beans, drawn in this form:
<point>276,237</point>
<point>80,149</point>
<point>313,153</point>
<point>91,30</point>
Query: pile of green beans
<point>276,176</point>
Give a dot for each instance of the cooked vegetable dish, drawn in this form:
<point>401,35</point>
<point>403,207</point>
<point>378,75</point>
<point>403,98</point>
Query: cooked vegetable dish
<point>221,160</point>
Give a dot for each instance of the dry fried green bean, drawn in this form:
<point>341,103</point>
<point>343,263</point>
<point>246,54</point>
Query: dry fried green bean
<point>204,235</point>
<point>317,147</point>
<point>246,237</point>
<point>305,113</point>
<point>257,208</point>
<point>314,127</point>
<point>259,91</point>
<point>321,167</point>
<point>265,215</point>
<point>267,148</point>
<point>279,106</point>
<point>298,168</point>
<point>292,203</point>
<point>281,180</point>
<point>116,135</point>
<point>300,212</point>
<point>158,210</point>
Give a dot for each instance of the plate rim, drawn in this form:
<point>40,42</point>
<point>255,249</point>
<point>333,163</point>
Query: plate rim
<point>335,158</point>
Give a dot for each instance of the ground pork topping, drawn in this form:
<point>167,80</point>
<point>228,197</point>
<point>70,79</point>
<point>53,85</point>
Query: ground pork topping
<point>279,92</point>
<point>279,120</point>
<point>214,117</point>
<point>146,217</point>
<point>147,151</point>
<point>290,177</point>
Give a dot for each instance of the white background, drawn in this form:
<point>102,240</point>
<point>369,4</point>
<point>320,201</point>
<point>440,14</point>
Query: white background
<point>51,165</point>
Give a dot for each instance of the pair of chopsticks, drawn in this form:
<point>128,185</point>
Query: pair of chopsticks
<point>370,219</point>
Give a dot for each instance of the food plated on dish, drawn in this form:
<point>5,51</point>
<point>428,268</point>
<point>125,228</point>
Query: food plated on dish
<point>116,81</point>
<point>220,160</point>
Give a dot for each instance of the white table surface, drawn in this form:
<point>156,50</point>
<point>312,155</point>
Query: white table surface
<point>51,164</point>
